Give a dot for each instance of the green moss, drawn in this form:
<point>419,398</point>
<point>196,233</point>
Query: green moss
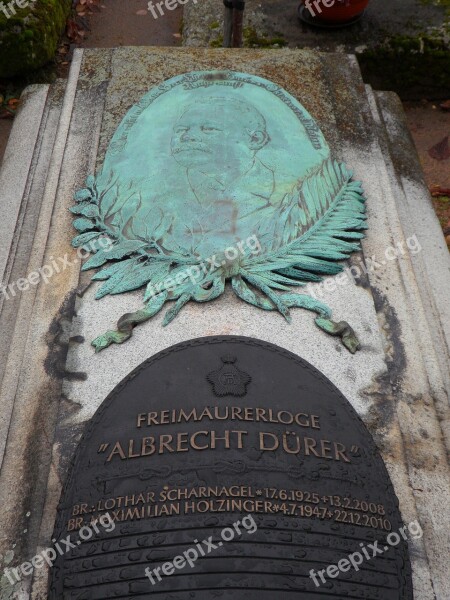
<point>217,43</point>
<point>29,38</point>
<point>442,207</point>
<point>214,25</point>
<point>253,40</point>
<point>409,65</point>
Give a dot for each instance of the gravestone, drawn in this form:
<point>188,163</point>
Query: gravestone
<point>208,431</point>
<point>386,403</point>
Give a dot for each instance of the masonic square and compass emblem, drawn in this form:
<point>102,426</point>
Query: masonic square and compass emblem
<point>235,184</point>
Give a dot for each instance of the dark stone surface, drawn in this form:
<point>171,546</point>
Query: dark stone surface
<point>320,494</point>
<point>381,20</point>
<point>401,45</point>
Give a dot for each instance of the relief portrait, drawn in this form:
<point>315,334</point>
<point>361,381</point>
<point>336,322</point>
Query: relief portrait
<point>208,167</point>
<point>202,163</point>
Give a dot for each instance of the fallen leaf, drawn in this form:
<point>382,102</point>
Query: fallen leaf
<point>72,30</point>
<point>6,114</point>
<point>440,151</point>
<point>445,105</point>
<point>437,190</point>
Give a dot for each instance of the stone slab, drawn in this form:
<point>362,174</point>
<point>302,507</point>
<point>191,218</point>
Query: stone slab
<point>432,265</point>
<point>28,219</point>
<point>54,383</point>
<point>31,388</point>
<point>17,162</point>
<point>332,90</point>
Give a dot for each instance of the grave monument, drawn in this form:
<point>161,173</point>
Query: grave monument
<point>235,451</point>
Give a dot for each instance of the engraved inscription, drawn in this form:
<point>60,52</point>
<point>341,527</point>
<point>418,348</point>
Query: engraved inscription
<point>172,462</point>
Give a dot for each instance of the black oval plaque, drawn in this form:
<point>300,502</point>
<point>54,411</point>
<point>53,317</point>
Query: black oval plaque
<point>215,431</point>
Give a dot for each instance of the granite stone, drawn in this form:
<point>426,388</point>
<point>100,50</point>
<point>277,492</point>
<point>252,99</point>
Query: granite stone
<point>398,382</point>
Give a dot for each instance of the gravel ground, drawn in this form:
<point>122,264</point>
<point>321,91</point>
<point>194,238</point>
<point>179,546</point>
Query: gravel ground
<point>129,23</point>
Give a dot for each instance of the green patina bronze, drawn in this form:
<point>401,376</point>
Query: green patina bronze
<point>217,176</point>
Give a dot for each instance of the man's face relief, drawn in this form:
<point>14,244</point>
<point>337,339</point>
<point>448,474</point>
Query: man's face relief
<point>213,139</point>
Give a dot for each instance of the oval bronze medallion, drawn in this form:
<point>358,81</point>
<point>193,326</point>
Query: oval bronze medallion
<point>229,469</point>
